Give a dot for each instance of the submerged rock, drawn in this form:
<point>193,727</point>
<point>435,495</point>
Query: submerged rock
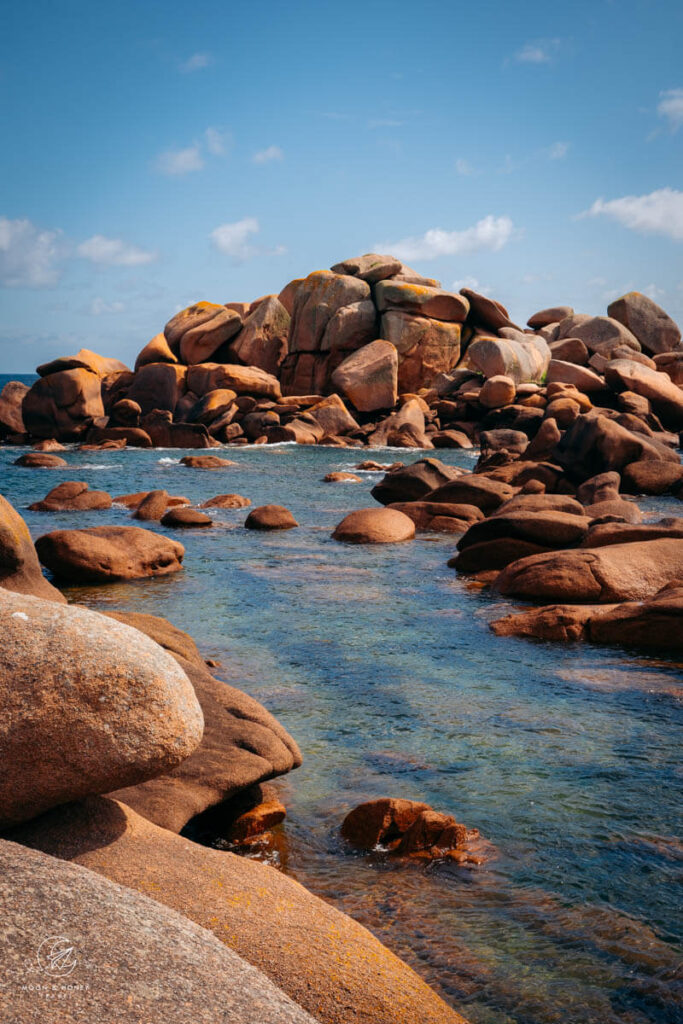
<point>270,517</point>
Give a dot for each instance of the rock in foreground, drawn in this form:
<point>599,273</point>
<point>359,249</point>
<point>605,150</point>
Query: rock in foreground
<point>103,554</point>
<point>19,566</point>
<point>88,705</point>
<point>133,959</point>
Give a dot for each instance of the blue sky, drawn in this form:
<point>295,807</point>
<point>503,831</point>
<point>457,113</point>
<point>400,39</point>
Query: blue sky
<point>159,153</point>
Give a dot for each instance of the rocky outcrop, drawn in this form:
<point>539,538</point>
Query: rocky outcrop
<point>63,404</point>
<point>369,377</point>
<point>109,951</point>
<point>521,361</point>
<point>104,554</point>
<point>262,342</point>
<point>408,829</point>
<point>411,483</point>
<point>654,329</point>
<point>326,962</point>
<point>105,706</point>
<point>11,401</point>
<point>72,496</point>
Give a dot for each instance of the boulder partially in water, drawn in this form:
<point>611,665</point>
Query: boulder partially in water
<point>375,526</point>
<point>103,554</point>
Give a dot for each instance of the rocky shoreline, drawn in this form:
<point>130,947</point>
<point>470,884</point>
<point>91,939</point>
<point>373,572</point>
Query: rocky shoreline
<point>575,419</point>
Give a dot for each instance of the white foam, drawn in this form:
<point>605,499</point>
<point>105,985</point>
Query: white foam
<point>166,461</point>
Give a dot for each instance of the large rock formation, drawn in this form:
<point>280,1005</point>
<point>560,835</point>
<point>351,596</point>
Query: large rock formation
<point>89,705</point>
<point>63,404</point>
<point>103,554</point>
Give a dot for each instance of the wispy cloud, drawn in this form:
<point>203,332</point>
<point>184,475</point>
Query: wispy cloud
<point>197,62</point>
<point>670,107</point>
<point>558,150</point>
<point>464,168</point>
<point>233,239</point>
<point>29,257</point>
<point>177,162</point>
<point>541,51</point>
<point>114,252</point>
<point>473,283</point>
<point>491,233</point>
<point>268,155</point>
<point>657,213</point>
<point>217,142</point>
<point>98,307</point>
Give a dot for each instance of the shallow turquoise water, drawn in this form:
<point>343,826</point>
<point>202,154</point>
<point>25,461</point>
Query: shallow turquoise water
<point>380,662</point>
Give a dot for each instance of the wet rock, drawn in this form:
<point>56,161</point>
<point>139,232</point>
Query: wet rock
<point>369,376</point>
<point>325,961</point>
<point>123,934</point>
<point>103,554</point>
<point>375,526</point>
<point>63,404</point>
<point>270,517</point>
<point>11,400</point>
<point>652,624</point>
<point>185,518</point>
<point>256,821</point>
<point>226,501</point>
<point>20,569</point>
<point>342,478</point>
<point>103,705</point>
<point>564,622</point>
<point>654,329</point>
<point>40,460</point>
<point>72,496</point>
<point>405,827</point>
<point>548,529</point>
<point>152,507</point>
<point>206,462</point>
<point>618,572</point>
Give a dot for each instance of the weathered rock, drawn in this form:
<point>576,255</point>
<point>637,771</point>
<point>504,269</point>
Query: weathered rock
<point>380,821</point>
<point>152,507</point>
<point>653,624</point>
<point>518,360</point>
<point>103,705</point>
<point>375,526</point>
<point>580,377</point>
<point>156,351</point>
<point>134,437</point>
<point>270,517</point>
<point>262,342</point>
<point>20,569</point>
<point>317,300</point>
<point>595,444</point>
<point>350,328</point>
<point>370,267</point>
<point>551,315</point>
<point>369,377</point>
<point>600,334</point>
<point>439,517</point>
<point>617,572</point>
<point>158,386</point>
<point>476,489</point>
<point>72,496</point>
<point>257,820</point>
<point>342,478</point>
<point>665,397</point>
<point>324,960</point>
<point>565,622</point>
<point>83,360</point>
<point>426,347</point>
<point>206,462</point>
<point>601,534</point>
<point>48,445</point>
<point>212,405</point>
<point>671,363</point>
<point>120,934</point>
<point>548,528</point>
<point>185,518</point>
<point>421,299</point>
<point>63,404</point>
<point>243,380</point>
<point>226,501</point>
<point>164,433</point>
<point>333,416</point>
<point>125,413</point>
<point>40,460</point>
<point>485,312</point>
<point>654,329</point>
<point>411,483</point>
<point>569,350</point>
<point>497,391</point>
<point>652,478</point>
<point>11,399</point>
<point>103,554</point>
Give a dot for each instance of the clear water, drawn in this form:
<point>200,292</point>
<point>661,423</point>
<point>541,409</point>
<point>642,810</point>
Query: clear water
<point>380,662</point>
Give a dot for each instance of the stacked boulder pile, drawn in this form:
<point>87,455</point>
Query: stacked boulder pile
<point>115,736</point>
<point>367,353</point>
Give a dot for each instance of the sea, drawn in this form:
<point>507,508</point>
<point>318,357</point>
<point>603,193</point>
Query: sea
<point>380,662</point>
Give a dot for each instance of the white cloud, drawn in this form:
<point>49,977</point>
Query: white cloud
<point>658,213</point>
<point>217,141</point>
<point>490,233</point>
<point>473,283</point>
<point>29,257</point>
<point>539,52</point>
<point>266,156</point>
<point>670,106</point>
<point>464,167</point>
<point>558,151</point>
<point>197,62</point>
<point>98,307</point>
<point>233,239</point>
<point>113,252</point>
<point>181,161</point>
